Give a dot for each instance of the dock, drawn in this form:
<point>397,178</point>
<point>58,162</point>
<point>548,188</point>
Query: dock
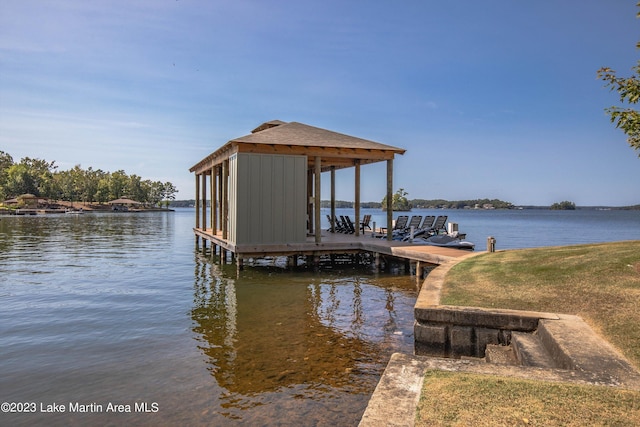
<point>330,245</point>
<point>264,189</point>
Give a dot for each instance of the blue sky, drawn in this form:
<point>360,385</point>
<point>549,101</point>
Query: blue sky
<point>495,99</point>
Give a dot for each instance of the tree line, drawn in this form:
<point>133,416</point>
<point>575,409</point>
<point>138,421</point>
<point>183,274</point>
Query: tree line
<point>428,204</point>
<point>462,204</point>
<point>42,179</point>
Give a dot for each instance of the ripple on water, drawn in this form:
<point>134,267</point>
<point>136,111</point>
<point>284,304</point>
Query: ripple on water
<point>120,308</point>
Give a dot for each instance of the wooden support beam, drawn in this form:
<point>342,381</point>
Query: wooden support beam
<point>292,261</point>
<point>224,200</point>
<point>333,199</point>
<point>309,204</point>
<point>389,199</point>
<point>357,197</point>
<point>220,194</point>
<point>197,201</point>
<point>204,202</point>
<point>212,209</point>
<point>316,215</point>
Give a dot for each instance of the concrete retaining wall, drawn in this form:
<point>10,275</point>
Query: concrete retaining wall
<point>537,339</point>
<point>451,331</point>
<point>446,331</point>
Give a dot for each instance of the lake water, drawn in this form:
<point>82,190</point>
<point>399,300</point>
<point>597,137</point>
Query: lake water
<point>531,228</point>
<point>101,310</point>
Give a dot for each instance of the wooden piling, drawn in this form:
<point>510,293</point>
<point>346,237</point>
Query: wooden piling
<point>419,272</point>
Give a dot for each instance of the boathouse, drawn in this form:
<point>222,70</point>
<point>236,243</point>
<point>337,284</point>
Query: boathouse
<point>265,187</point>
<point>264,192</point>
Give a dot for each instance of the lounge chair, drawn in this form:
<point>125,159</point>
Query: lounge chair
<point>401,224</point>
<point>404,233</point>
<point>331,229</point>
<point>415,222</point>
<point>365,222</point>
<point>428,222</point>
<point>424,228</point>
<point>348,224</point>
<point>342,224</point>
<point>439,225</point>
<point>426,225</point>
<point>337,225</point>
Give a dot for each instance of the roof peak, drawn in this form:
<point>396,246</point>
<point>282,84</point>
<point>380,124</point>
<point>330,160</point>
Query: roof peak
<point>268,125</point>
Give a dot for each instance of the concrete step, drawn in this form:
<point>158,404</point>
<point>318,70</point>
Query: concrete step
<point>575,346</point>
<point>530,351</point>
<point>500,355</point>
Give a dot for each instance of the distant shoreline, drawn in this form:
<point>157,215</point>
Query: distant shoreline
<point>63,207</point>
<point>375,205</point>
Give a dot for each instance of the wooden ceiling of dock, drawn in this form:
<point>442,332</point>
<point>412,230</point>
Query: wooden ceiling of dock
<point>335,149</point>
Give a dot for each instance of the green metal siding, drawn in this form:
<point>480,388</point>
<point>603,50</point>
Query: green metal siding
<point>267,199</point>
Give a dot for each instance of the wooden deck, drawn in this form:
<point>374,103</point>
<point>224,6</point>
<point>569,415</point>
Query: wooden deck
<point>337,243</point>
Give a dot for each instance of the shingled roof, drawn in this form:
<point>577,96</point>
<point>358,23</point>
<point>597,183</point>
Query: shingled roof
<point>276,137</point>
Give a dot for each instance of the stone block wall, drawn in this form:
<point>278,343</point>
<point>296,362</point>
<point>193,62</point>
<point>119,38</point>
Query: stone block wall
<point>454,332</point>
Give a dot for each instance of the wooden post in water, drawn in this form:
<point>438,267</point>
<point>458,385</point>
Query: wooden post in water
<point>197,225</point>
<point>333,199</point>
<point>214,196</point>
<point>419,271</point>
<point>197,201</point>
<point>357,197</point>
<point>224,199</point>
<point>214,210</point>
<point>316,207</point>
<point>292,261</point>
<point>220,193</point>
<point>204,202</point>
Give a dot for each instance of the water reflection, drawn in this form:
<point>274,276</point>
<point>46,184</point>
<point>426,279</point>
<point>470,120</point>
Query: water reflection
<point>313,336</point>
<point>118,308</point>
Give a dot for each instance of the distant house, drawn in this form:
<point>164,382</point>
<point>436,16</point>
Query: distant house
<point>266,185</point>
<point>27,201</point>
<point>123,204</point>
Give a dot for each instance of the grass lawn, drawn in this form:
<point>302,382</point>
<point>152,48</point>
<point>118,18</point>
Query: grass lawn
<point>599,282</point>
<point>462,399</point>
